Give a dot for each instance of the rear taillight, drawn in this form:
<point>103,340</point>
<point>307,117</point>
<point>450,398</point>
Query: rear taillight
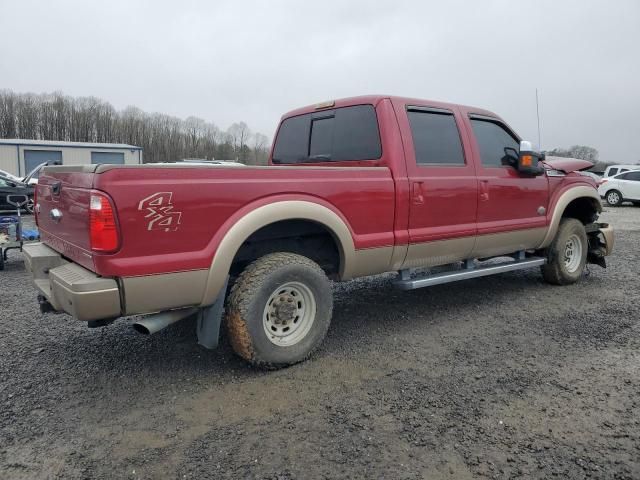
<point>103,228</point>
<point>602,182</point>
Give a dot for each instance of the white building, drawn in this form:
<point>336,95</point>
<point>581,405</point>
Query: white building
<point>19,157</point>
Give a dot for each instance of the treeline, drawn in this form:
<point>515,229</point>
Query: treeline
<point>88,119</point>
<point>576,151</point>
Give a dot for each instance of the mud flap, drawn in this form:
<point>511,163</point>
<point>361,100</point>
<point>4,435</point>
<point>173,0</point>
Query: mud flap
<point>209,320</point>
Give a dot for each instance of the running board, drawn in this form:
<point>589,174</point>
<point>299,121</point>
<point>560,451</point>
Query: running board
<point>469,270</point>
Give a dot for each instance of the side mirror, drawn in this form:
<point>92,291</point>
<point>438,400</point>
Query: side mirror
<point>529,160</point>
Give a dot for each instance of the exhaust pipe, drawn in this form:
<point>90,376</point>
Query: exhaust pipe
<point>156,322</point>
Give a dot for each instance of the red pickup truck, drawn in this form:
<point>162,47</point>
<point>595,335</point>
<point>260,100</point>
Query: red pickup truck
<point>355,187</point>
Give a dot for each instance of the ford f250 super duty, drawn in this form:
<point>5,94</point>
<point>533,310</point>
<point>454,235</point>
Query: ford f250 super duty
<point>355,187</point>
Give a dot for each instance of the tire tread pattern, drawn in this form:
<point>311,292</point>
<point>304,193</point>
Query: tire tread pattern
<point>242,293</point>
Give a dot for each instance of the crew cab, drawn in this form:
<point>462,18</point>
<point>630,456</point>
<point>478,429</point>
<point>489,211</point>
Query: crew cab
<point>355,187</point>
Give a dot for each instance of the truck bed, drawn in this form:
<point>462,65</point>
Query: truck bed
<point>198,203</point>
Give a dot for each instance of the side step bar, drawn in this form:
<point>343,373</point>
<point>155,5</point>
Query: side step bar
<point>469,270</point>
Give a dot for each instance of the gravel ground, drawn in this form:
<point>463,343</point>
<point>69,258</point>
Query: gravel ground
<point>501,377</point>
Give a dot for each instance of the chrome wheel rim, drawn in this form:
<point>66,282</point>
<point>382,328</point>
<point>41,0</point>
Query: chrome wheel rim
<point>289,314</point>
<point>613,197</point>
<point>573,253</point>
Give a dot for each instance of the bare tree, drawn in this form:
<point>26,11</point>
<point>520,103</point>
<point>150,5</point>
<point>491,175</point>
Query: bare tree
<point>88,119</point>
<point>577,151</point>
<point>260,149</point>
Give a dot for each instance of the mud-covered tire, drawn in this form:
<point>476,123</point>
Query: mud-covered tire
<point>614,198</point>
<point>267,296</point>
<point>567,254</point>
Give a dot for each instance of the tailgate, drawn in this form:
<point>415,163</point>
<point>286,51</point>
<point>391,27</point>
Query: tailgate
<point>63,195</point>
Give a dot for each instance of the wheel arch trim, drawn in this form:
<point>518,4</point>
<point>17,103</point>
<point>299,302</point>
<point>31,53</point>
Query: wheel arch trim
<point>565,198</point>
<point>268,214</point>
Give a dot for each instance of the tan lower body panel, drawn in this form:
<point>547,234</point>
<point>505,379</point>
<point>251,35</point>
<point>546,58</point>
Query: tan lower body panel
<point>439,252</point>
<point>503,243</point>
<point>369,261</point>
<point>442,252</point>
<point>154,293</point>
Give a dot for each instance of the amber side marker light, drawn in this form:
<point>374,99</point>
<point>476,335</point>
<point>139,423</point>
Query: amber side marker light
<point>527,161</point>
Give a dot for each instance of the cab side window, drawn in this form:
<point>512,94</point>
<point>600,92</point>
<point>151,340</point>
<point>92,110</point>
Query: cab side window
<point>436,138</point>
<point>495,142</point>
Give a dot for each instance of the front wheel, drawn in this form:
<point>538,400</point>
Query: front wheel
<point>614,198</point>
<point>567,254</point>
<point>279,310</point>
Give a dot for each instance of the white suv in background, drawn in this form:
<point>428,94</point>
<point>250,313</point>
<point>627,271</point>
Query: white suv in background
<point>616,169</point>
<point>620,188</point>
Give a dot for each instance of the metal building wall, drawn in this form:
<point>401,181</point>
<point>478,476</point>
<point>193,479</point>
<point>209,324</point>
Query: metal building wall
<point>9,159</point>
<point>79,155</point>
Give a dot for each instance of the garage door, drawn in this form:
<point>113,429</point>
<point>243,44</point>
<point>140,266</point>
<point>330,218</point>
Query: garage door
<point>107,157</point>
<point>33,158</point>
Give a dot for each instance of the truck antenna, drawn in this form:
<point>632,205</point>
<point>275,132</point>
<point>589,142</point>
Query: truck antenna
<point>538,115</point>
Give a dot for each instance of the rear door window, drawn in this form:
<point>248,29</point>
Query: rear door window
<point>634,176</point>
<point>342,134</point>
<point>436,138</point>
<point>495,143</point>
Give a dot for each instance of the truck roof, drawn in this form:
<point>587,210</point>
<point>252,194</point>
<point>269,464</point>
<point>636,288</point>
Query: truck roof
<point>374,99</point>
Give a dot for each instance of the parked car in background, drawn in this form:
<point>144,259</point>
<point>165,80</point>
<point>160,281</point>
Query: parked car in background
<point>10,187</point>
<point>620,188</point>
<point>31,178</point>
<point>11,177</point>
<point>613,170</point>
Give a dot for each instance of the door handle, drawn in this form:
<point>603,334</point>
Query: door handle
<point>416,194</point>
<point>484,190</point>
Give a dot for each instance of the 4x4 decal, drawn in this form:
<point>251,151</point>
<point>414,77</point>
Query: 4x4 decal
<point>159,212</point>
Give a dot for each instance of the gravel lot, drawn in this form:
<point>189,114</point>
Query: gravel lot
<point>502,377</point>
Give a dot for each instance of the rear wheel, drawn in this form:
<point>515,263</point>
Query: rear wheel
<point>567,254</point>
<point>614,198</point>
<point>279,310</point>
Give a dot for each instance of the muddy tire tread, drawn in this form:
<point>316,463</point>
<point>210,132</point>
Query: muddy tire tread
<point>552,271</point>
<point>241,295</point>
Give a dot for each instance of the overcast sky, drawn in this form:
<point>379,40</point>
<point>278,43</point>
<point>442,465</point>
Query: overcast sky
<point>227,61</point>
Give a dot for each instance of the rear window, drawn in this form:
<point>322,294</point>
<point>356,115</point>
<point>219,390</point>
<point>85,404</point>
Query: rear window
<point>612,172</point>
<point>342,134</point>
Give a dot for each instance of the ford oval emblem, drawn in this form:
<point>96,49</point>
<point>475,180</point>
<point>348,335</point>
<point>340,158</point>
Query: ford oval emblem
<point>56,215</point>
